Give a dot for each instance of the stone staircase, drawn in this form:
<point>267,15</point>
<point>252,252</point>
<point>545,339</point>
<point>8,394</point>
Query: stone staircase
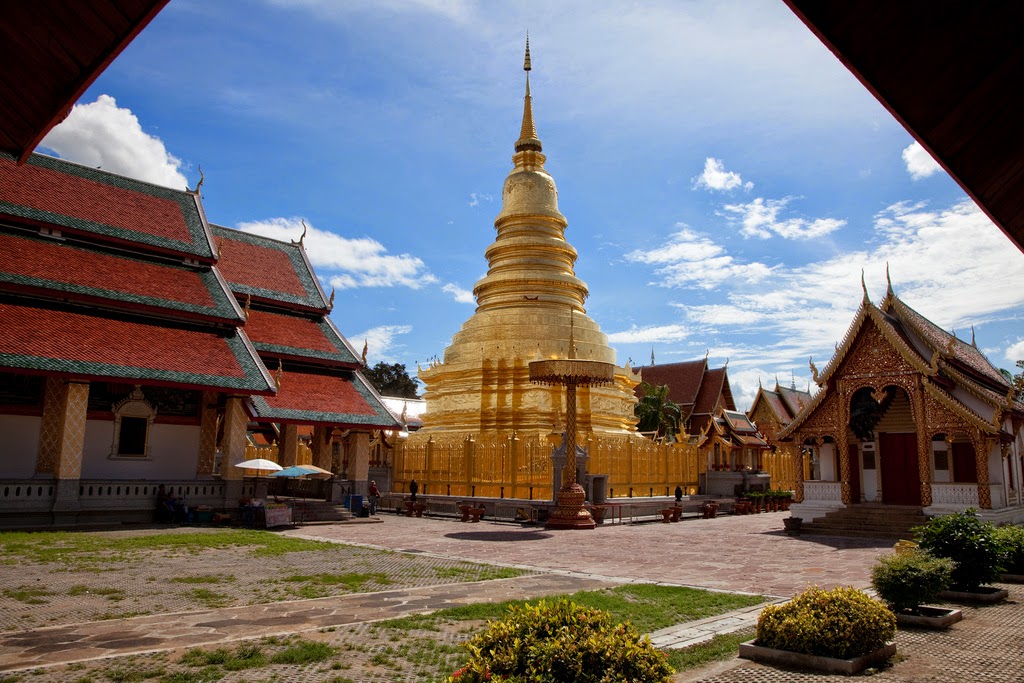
<point>318,512</point>
<point>868,520</point>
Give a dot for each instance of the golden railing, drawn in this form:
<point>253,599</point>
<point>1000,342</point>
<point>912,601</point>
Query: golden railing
<point>510,466</point>
<point>782,466</point>
<point>303,454</point>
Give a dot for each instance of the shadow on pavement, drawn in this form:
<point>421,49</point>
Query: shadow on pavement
<point>528,535</point>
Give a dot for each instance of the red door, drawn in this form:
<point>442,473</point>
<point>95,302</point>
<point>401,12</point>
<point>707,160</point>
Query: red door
<point>854,452</point>
<point>965,466</point>
<point>901,480</point>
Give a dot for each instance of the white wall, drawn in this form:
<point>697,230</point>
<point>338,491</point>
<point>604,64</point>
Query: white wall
<point>19,447</point>
<point>828,462</point>
<point>173,453</point>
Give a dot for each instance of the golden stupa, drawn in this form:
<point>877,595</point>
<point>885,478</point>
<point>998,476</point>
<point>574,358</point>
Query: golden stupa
<point>529,307</point>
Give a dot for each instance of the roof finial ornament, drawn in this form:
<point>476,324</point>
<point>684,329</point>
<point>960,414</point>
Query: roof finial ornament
<point>199,184</point>
<point>814,370</point>
<point>974,342</point>
<point>366,347</point>
<point>330,303</point>
<point>888,282</point>
<point>863,286</point>
<point>302,239</point>
<point>707,352</point>
<point>652,354</point>
<point>277,375</point>
<point>248,300</point>
<point>526,62</point>
<point>792,381</point>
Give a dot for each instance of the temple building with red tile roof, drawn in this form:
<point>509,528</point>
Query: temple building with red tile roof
<point>909,415</point>
<point>700,391</point>
<point>732,450</point>
<point>127,360</point>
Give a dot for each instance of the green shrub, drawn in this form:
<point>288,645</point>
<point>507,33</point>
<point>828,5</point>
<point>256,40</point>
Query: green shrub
<point>1011,540</point>
<point>561,642</point>
<point>964,538</point>
<point>842,623</point>
<point>908,580</point>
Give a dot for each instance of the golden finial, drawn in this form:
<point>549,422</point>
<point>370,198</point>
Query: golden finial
<point>888,282</point>
<point>330,304</point>
<point>974,342</point>
<point>405,410</point>
<point>528,139</point>
<point>302,239</point>
<point>814,370</point>
<point>220,248</point>
<point>277,375</point>
<point>248,300</point>
<point>366,347</point>
<point>863,286</point>
<point>652,354</point>
<point>951,344</point>
<point>200,183</point>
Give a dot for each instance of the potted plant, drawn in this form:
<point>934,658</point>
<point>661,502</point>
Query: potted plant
<point>786,498</point>
<point>906,581</point>
<point>971,543</point>
<point>840,631</point>
<point>756,501</point>
<point>1011,538</point>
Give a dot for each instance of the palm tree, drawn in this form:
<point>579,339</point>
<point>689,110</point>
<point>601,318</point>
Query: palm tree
<point>657,413</point>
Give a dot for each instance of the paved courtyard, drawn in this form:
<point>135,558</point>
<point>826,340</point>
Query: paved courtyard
<point>76,634</point>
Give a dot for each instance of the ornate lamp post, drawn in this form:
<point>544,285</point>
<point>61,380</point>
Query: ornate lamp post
<point>571,372</point>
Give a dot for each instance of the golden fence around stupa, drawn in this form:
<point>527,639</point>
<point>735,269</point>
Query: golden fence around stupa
<point>520,466</point>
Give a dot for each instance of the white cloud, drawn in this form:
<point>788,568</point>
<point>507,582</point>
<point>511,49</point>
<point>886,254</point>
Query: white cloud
<point>690,259</point>
<point>103,135</point>
<point>647,335</point>
<point>380,342</point>
<point>920,163</point>
<point>476,197</point>
<point>804,310</point>
<point>463,296</point>
<point>363,261</point>
<point>760,218</point>
<point>455,10</point>
<point>715,177</point>
<point>1015,352</point>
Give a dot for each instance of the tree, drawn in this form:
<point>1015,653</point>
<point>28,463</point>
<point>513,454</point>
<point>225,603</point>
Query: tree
<point>1016,380</point>
<point>656,412</point>
<point>391,380</point>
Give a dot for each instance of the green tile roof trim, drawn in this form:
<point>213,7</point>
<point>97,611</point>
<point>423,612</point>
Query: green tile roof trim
<point>196,244</point>
<point>312,296</point>
<point>344,355</point>
<point>221,308</point>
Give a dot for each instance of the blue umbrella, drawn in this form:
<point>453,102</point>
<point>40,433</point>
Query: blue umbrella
<point>294,471</point>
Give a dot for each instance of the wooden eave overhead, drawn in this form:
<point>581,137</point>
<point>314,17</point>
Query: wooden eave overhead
<point>51,51</point>
<point>951,73</point>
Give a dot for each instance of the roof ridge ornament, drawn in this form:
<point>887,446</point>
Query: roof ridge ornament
<point>814,370</point>
<point>863,286</point>
<point>302,239</point>
<point>528,139</point>
<point>330,304</point>
<point>888,282</point>
<point>974,342</point>
<point>366,347</point>
<point>199,184</point>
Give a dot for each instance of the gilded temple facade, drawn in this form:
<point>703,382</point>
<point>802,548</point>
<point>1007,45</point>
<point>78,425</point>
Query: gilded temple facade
<point>907,414</point>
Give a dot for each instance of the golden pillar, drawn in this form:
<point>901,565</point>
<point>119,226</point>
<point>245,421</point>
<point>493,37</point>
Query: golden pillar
<point>207,434</point>
<point>321,447</point>
<point>51,426</point>
<point>70,446</point>
<point>233,442</point>
<point>288,445</point>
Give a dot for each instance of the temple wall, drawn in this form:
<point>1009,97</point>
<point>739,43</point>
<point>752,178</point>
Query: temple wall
<point>20,446</point>
<point>173,453</point>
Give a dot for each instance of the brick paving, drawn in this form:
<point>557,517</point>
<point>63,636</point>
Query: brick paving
<point>746,554</point>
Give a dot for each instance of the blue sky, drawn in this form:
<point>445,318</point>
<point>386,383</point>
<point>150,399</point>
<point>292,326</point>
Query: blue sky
<point>725,178</point>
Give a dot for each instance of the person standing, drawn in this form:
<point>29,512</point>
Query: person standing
<point>374,494</point>
<point>413,488</point>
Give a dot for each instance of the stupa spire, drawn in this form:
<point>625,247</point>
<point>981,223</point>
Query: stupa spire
<point>528,133</point>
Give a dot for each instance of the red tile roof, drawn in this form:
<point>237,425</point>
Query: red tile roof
<point>267,269</point>
<point>713,392</point>
<point>279,334</point>
<point>682,379</point>
<point>74,343</point>
<point>74,198</point>
<point>340,399</point>
<point>48,264</point>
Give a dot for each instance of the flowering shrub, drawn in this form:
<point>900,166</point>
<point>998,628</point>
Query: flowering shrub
<point>561,642</point>
<point>909,580</point>
<point>968,541</point>
<point>1011,539</point>
<point>842,623</point>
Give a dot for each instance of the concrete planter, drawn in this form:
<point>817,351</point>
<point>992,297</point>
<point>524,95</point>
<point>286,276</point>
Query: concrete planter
<point>1012,578</point>
<point>986,595</point>
<point>930,617</point>
<point>796,660</point>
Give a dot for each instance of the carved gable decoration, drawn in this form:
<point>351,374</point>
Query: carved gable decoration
<point>872,354</point>
<point>825,419</point>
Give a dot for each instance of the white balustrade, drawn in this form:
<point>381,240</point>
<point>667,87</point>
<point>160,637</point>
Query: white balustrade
<point>961,495</point>
<point>830,491</point>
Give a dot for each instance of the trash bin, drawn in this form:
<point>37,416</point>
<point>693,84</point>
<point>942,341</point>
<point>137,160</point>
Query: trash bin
<point>355,503</point>
<point>599,489</point>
